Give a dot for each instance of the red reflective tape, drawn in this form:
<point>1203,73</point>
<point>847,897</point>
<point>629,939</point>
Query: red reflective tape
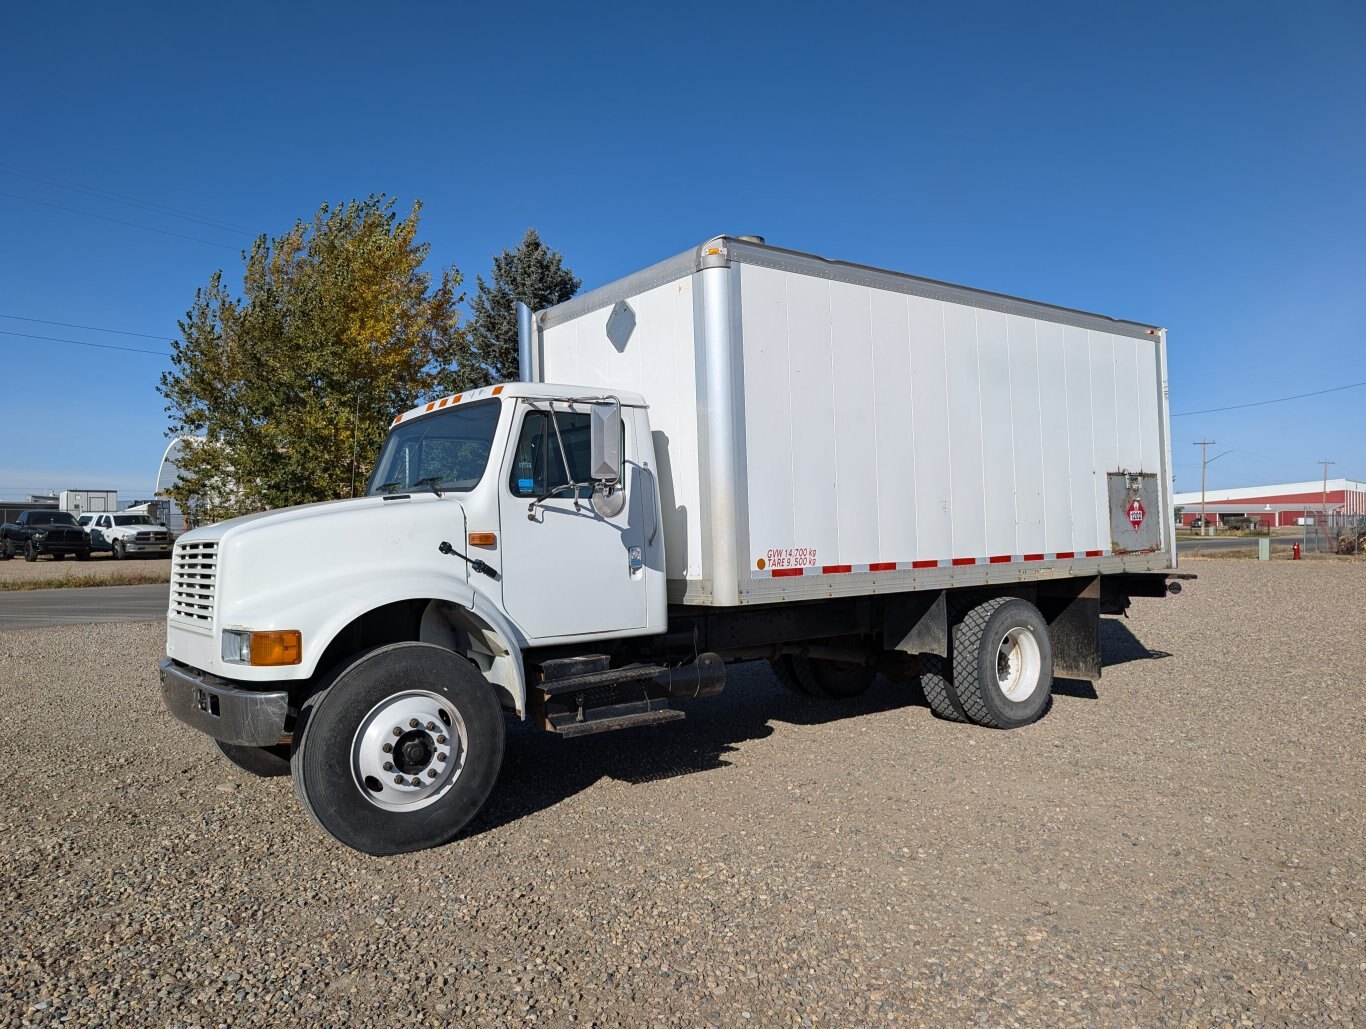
<point>1066,555</point>
<point>1033,557</point>
<point>924,564</point>
<point>835,569</point>
<point>884,566</point>
<point>1000,559</point>
<point>964,561</point>
<point>786,571</point>
<point>1095,553</point>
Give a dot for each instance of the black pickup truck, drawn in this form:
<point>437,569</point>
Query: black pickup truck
<point>44,532</point>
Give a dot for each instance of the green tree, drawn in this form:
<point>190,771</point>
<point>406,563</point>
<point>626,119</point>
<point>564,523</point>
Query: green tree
<point>533,274</point>
<point>294,384</point>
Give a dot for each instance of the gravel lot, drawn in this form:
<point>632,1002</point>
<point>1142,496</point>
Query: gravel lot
<point>1184,844</point>
<point>98,568</point>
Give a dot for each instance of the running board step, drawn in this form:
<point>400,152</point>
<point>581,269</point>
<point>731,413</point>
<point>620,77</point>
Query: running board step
<point>658,716</point>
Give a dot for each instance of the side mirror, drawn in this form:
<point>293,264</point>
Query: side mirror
<point>604,461</point>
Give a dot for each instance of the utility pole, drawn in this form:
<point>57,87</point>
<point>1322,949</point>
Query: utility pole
<point>1325,464</point>
<point>1204,446</point>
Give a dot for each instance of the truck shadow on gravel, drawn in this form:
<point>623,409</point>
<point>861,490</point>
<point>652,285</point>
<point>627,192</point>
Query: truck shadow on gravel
<point>541,770</point>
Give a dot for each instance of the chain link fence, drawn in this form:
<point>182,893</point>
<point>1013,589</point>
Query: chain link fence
<point>1336,533</point>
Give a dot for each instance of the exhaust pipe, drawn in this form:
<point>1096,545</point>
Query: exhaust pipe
<point>526,328</point>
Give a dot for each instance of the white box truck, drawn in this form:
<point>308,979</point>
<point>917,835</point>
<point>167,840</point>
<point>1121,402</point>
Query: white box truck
<point>741,453</point>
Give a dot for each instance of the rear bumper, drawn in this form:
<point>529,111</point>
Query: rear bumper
<point>217,708</point>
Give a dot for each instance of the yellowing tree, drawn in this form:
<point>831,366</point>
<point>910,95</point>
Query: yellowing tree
<point>293,385</point>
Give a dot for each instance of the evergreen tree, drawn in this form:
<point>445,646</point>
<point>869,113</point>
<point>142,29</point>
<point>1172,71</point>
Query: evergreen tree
<point>533,274</point>
<point>293,385</point>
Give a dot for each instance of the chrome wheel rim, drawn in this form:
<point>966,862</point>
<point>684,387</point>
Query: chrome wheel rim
<point>409,750</point>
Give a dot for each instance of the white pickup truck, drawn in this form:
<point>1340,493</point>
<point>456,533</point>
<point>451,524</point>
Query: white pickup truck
<point>127,535</point>
<point>740,453</point>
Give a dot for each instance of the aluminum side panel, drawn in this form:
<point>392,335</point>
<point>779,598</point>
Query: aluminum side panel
<point>894,431</point>
<point>1026,435</point>
<point>932,485</point>
<point>658,361</point>
<point>854,391</point>
<point>967,508</point>
<point>998,436</point>
<point>1054,438</point>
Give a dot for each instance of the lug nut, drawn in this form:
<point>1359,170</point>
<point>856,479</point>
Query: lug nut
<point>417,781</point>
<point>398,779</point>
<point>431,773</point>
<point>398,731</point>
<point>441,739</point>
<point>412,723</point>
<point>431,726</point>
<point>388,766</point>
<point>388,748</point>
<point>441,757</point>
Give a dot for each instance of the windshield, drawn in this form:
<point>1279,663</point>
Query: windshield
<point>132,520</point>
<point>51,518</point>
<point>449,450</point>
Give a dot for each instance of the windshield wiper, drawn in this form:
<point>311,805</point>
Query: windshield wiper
<point>430,482</point>
<point>387,487</point>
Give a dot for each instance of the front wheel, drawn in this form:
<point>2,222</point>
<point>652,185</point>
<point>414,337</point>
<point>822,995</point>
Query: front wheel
<point>400,751</point>
<point>6,550</point>
<point>118,550</point>
<point>30,551</point>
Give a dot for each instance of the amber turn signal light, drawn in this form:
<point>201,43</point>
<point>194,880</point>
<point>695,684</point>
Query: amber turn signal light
<point>284,647</point>
<point>483,539</point>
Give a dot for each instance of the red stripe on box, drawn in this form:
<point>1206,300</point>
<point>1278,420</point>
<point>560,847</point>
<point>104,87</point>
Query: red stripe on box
<point>836,569</point>
<point>1000,559</point>
<point>1033,557</point>
<point>786,571</point>
<point>1066,555</point>
<point>1095,553</point>
<point>924,564</point>
<point>883,566</point>
<point>964,561</point>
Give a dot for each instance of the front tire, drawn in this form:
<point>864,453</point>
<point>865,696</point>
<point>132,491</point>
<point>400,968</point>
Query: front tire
<point>117,550</point>
<point>58,556</point>
<point>6,550</point>
<point>1003,663</point>
<point>30,551</point>
<point>444,731</point>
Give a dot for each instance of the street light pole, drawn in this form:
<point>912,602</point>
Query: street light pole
<point>1204,446</point>
<point>1324,505</point>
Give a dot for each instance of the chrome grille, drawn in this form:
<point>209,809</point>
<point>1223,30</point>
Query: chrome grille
<point>194,573</point>
<point>150,537</point>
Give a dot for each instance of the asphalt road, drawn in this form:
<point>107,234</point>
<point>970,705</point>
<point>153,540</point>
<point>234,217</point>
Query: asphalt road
<point>30,609</point>
<point>1232,543</point>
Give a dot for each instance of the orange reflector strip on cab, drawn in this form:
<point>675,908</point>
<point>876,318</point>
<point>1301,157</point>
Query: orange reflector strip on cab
<point>284,647</point>
<point>483,539</point>
<point>497,390</point>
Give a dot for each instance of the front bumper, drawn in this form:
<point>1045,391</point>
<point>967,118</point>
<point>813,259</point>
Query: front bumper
<point>60,547</point>
<point>220,709</point>
<point>164,549</point>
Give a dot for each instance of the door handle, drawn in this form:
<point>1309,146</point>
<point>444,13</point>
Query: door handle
<point>654,503</point>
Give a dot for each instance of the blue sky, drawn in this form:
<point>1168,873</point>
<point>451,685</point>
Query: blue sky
<point>1200,166</point>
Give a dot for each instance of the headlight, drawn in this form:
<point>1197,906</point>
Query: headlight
<point>279,647</point>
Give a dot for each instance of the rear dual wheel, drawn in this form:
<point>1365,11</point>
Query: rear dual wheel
<point>1001,674</point>
<point>815,677</point>
<point>400,751</point>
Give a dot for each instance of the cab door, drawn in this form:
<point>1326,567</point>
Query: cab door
<point>567,570</point>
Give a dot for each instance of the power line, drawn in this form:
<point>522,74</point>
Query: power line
<point>119,221</point>
<point>82,343</point>
<point>104,194</point>
<point>92,328</point>
<point>1278,400</point>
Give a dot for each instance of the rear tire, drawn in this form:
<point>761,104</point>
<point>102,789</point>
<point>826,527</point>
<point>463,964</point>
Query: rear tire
<point>6,550</point>
<point>338,760</point>
<point>832,680</point>
<point>83,555</point>
<point>937,682</point>
<point>265,762</point>
<point>787,675</point>
<point>1003,663</point>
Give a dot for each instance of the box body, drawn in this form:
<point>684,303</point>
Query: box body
<point>824,428</point>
